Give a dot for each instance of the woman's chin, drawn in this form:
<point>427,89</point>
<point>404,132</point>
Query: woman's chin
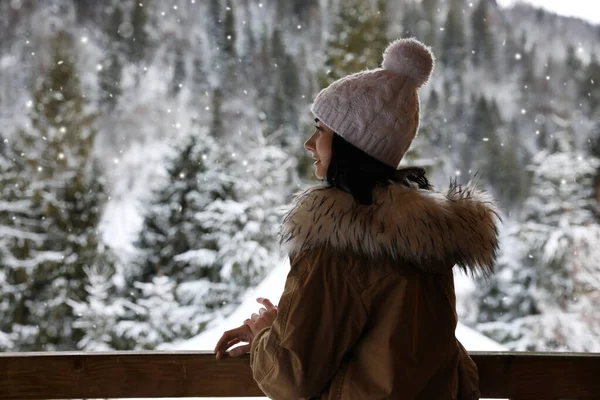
<point>319,174</point>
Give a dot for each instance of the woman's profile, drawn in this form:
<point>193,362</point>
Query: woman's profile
<point>368,310</point>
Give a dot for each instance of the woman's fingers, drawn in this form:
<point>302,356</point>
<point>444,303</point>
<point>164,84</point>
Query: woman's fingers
<point>269,313</point>
<point>225,339</point>
<point>269,318</point>
<point>264,318</point>
<point>267,303</point>
<point>253,325</point>
<point>240,350</point>
<point>239,334</point>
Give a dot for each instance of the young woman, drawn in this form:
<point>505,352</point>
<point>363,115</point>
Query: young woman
<point>368,310</point>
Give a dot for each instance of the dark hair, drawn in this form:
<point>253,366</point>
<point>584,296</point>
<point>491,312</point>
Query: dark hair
<point>354,171</point>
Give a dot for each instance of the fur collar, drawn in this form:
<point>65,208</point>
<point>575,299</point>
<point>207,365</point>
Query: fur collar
<point>419,226</point>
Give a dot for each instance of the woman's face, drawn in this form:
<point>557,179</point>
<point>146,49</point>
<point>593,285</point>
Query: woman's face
<point>319,145</point>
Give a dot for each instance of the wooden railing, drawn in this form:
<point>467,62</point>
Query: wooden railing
<point>538,376</point>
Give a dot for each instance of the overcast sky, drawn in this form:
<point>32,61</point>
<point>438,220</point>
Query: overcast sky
<point>585,9</point>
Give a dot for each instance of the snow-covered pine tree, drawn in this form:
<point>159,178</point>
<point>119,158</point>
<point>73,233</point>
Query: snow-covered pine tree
<point>244,227</point>
<point>53,205</point>
<point>229,33</point>
<point>110,73</point>
<point>138,37</point>
<point>483,46</point>
<point>481,128</point>
<point>297,11</point>
<point>194,180</point>
<point>209,233</point>
<point>215,22</point>
<point>358,40</point>
<point>505,168</point>
<point>157,315</point>
<point>431,11</point>
<point>454,42</point>
<point>283,115</point>
<point>502,167</point>
<point>179,73</point>
<point>228,54</point>
<point>109,79</point>
<point>542,297</point>
<point>104,306</point>
<point>590,85</point>
<point>9,207</point>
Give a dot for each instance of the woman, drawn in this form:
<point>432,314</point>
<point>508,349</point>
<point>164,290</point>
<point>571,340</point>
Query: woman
<point>368,310</point>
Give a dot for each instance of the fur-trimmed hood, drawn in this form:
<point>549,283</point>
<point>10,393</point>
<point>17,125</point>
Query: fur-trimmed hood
<point>419,226</point>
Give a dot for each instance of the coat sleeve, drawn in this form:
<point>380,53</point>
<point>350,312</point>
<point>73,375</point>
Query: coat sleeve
<point>468,375</point>
<point>320,316</point>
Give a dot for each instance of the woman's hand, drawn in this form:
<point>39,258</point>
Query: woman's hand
<point>246,332</point>
<point>241,334</point>
<point>264,318</point>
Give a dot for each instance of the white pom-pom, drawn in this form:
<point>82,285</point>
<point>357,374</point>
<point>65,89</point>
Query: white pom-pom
<point>410,58</point>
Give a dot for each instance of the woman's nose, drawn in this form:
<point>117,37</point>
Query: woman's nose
<point>309,144</point>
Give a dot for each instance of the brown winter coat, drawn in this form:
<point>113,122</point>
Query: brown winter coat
<point>368,310</point>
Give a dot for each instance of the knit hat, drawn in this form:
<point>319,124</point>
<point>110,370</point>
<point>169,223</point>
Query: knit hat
<point>378,110</point>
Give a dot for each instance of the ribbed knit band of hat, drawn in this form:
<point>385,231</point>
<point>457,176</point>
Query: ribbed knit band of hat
<point>378,110</point>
